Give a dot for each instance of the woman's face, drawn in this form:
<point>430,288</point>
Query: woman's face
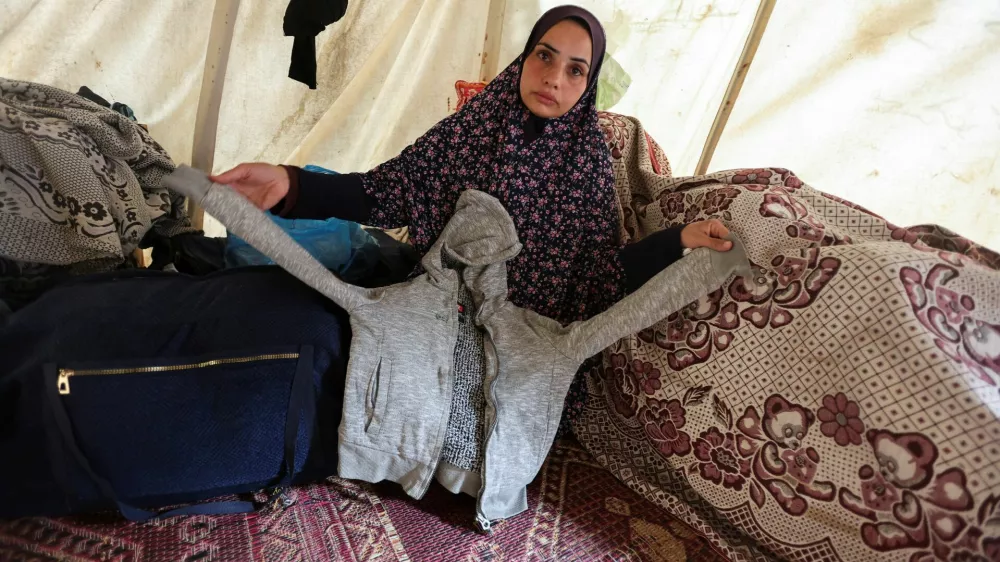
<point>554,76</point>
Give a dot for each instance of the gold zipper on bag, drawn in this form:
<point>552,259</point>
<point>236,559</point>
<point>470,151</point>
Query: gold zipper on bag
<point>65,374</point>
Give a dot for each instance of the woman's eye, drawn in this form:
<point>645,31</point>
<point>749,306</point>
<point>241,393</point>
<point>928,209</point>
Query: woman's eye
<point>577,72</point>
<point>543,55</point>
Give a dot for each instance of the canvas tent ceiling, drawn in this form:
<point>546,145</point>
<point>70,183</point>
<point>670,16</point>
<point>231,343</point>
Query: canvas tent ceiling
<point>889,103</point>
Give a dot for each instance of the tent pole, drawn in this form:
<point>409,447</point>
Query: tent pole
<point>491,43</point>
<point>735,84</point>
<point>206,124</point>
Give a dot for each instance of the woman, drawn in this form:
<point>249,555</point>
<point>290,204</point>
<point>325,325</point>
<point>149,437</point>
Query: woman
<point>530,139</point>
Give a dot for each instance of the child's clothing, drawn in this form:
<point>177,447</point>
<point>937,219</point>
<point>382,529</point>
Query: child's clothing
<point>412,352</point>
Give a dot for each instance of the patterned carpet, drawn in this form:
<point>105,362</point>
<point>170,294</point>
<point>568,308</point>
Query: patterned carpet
<point>576,511</point>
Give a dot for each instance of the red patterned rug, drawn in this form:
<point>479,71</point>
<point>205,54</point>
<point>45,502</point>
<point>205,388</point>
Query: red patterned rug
<point>577,510</point>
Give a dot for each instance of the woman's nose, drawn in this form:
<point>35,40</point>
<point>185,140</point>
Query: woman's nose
<point>551,78</point>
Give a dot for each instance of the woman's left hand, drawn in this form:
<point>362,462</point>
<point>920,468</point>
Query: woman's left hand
<point>706,234</point>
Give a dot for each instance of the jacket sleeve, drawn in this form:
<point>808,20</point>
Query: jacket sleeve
<point>251,224</point>
<point>697,274</point>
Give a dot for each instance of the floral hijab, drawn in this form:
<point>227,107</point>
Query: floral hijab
<point>557,185</point>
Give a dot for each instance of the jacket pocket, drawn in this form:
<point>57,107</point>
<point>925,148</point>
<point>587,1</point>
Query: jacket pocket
<point>377,396</point>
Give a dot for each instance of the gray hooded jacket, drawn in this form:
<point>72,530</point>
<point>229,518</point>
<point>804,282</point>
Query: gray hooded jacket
<point>398,394</point>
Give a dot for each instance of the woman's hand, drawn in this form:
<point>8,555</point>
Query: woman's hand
<point>707,234</point>
<point>263,184</point>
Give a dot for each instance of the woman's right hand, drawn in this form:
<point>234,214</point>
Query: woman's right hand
<point>263,184</point>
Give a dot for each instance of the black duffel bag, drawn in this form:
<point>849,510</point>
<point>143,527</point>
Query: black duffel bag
<point>140,390</point>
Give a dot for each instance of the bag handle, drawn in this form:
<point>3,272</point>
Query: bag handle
<point>299,399</point>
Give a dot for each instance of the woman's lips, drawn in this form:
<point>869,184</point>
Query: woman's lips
<point>545,99</point>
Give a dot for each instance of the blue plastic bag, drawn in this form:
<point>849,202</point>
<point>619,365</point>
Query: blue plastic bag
<point>319,169</point>
<point>341,246</point>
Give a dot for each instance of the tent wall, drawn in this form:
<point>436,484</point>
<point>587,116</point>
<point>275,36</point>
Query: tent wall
<point>148,55</point>
<point>889,103</point>
<point>400,66</point>
<point>892,104</point>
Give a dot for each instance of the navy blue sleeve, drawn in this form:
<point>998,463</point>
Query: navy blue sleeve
<point>642,260</point>
<point>313,195</point>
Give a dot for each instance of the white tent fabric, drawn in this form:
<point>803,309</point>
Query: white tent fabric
<point>892,105</point>
<point>889,104</point>
<point>404,82</point>
<point>149,56</point>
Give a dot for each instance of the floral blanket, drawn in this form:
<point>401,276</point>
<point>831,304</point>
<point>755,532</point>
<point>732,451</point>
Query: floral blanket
<point>844,406</point>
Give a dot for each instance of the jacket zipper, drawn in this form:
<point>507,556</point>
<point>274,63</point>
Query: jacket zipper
<point>482,522</point>
<point>452,319</point>
<point>66,374</point>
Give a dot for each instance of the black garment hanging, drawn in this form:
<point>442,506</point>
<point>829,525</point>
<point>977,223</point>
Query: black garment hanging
<point>304,20</point>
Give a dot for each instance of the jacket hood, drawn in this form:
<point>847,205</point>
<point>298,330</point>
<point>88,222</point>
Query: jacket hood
<point>479,233</point>
<point>482,237</point>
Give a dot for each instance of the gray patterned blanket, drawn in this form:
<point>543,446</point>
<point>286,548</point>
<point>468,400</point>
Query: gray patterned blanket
<point>79,185</point>
<point>78,182</point>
